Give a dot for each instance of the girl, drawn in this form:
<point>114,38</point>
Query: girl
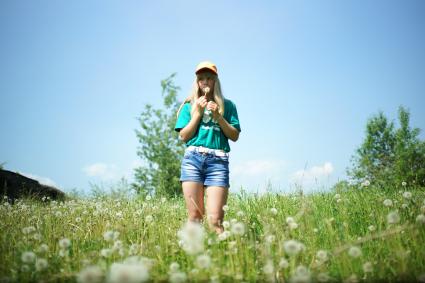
<point>205,122</point>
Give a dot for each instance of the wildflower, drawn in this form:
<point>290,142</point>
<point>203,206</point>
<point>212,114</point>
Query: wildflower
<point>268,268</point>
<point>130,272</point>
<point>174,267</point>
<point>322,255</point>
<point>323,277</point>
<point>106,253</point>
<point>301,274</point>
<point>28,257</point>
<point>192,238</point>
<point>407,195</point>
<point>388,202</point>
<point>283,263</point>
<point>238,229</point>
<point>226,224</point>
<point>43,248</point>
<point>90,274</point>
<point>203,261</point>
<point>270,238</point>
<point>355,252</point>
<point>64,243</point>
<point>420,219</point>
<point>273,211</point>
<point>149,218</point>
<point>292,247</point>
<point>367,267</point>
<point>178,277</point>
<point>41,264</point>
<point>393,217</point>
<point>134,248</point>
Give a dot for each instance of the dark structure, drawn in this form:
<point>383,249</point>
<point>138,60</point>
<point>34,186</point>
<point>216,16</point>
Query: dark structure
<point>14,185</point>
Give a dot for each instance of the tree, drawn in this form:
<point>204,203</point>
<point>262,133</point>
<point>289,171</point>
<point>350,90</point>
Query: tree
<point>389,155</point>
<point>160,147</point>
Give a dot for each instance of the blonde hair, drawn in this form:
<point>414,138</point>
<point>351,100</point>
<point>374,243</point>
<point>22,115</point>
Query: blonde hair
<point>195,93</point>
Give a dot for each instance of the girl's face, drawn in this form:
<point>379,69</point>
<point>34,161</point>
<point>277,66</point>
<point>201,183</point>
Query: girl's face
<point>206,79</point>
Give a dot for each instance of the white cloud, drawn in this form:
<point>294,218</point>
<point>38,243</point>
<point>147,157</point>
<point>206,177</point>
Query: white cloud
<point>42,180</point>
<point>258,167</point>
<point>106,172</point>
<point>316,173</point>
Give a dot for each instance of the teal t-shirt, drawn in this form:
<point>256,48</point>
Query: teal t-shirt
<point>209,133</point>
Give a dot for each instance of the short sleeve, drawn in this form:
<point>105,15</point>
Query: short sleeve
<point>232,116</point>
<point>184,117</point>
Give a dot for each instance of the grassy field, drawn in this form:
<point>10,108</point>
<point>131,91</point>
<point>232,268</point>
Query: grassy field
<point>356,235</point>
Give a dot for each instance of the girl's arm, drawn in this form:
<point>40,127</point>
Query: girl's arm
<point>228,130</point>
<point>187,132</point>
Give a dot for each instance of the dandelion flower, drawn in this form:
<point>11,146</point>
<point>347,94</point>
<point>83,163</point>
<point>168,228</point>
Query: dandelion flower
<point>420,219</point>
<point>322,255</point>
<point>192,238</point>
<point>355,252</point>
<point>283,263</point>
<point>174,267</point>
<point>64,243</point>
<point>178,277</point>
<point>90,274</point>
<point>28,257</point>
<point>292,247</point>
<point>128,273</point>
<point>407,195</point>
<point>367,267</point>
<point>393,217</point>
<point>323,277</point>
<point>268,268</point>
<point>203,261</point>
<point>41,264</point>
<point>238,228</point>
<point>388,202</point>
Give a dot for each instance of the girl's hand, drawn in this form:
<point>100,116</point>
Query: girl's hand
<point>201,103</point>
<point>213,107</point>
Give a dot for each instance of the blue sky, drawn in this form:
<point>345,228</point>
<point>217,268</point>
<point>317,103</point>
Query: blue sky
<point>305,76</point>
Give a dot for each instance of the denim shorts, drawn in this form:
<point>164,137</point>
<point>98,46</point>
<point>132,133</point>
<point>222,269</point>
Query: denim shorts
<point>205,168</point>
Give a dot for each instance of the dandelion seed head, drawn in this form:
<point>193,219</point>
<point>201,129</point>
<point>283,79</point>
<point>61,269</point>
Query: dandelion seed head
<point>128,273</point>
<point>283,263</point>
<point>354,252</point>
<point>407,195</point>
<point>367,267</point>
<point>293,247</point>
<point>226,224</point>
<point>225,207</point>
<point>191,237</point>
<point>388,202</point>
<point>28,257</point>
<point>174,267</point>
<point>393,217</point>
<point>371,228</point>
<point>178,277</point>
<point>420,219</point>
<point>323,277</point>
<point>203,261</point>
<point>43,248</point>
<point>64,243</point>
<point>238,228</point>
<point>148,198</point>
<point>322,255</point>
<point>293,225</point>
<point>273,211</point>
<point>270,238</point>
<point>404,206</point>
<point>106,253</point>
<point>268,268</point>
<point>403,184</point>
<point>301,275</point>
<point>41,264</point>
<point>289,220</point>
<point>149,219</point>
<point>240,213</point>
<point>90,274</point>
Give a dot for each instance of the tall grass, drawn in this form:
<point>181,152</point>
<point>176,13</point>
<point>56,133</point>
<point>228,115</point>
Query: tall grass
<point>351,235</point>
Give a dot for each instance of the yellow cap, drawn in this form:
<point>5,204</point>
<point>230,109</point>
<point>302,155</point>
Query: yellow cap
<point>206,65</point>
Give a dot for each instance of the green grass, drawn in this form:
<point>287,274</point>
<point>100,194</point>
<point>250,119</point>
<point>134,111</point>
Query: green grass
<point>389,252</point>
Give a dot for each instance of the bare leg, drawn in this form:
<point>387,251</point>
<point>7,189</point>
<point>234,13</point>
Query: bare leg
<point>194,196</point>
<point>216,198</point>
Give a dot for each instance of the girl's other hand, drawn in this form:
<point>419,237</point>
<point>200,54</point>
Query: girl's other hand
<point>213,107</point>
